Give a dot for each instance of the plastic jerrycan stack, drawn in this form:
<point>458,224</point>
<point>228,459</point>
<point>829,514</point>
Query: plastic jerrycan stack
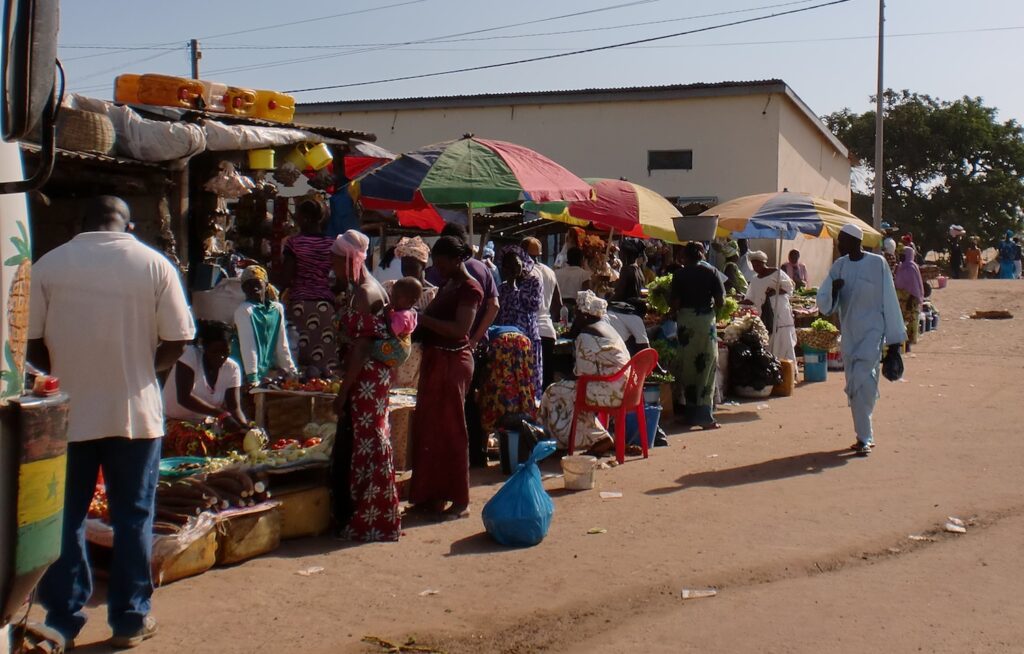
<point>214,96</point>
<point>126,88</point>
<point>274,106</point>
<point>239,101</point>
<point>169,91</point>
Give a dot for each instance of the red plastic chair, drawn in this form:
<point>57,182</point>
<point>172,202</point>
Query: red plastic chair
<point>635,373</point>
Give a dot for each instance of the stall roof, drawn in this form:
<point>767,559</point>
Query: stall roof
<point>170,113</point>
<point>94,157</point>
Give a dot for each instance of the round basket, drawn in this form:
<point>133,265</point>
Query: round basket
<point>818,340</point>
<point>84,131</point>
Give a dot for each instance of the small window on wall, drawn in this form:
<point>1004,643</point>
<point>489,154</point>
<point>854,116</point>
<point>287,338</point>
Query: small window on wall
<point>669,160</point>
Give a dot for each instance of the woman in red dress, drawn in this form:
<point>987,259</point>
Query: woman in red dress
<point>364,496</point>
<point>440,460</point>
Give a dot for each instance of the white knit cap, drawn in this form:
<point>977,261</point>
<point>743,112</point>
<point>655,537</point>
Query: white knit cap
<point>853,231</point>
<point>757,255</point>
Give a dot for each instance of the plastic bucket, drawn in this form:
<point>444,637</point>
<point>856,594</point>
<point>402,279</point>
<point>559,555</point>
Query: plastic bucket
<point>297,157</point>
<point>652,413</point>
<point>815,365</point>
<point>652,393</point>
<point>943,281</point>
<point>579,471</point>
<point>261,159</point>
<point>318,156</point>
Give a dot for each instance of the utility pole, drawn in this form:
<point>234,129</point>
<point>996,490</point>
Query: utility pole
<point>876,209</point>
<point>195,55</point>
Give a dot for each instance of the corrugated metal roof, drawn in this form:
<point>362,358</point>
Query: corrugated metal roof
<point>93,157</point>
<point>581,94</point>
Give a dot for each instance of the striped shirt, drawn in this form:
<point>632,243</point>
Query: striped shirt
<point>312,267</point>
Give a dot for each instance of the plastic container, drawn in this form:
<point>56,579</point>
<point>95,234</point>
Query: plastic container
<point>262,159</point>
<point>297,158</point>
<point>579,471</point>
<point>815,365</point>
<point>835,362</point>
<point>942,281</point>
<point>318,156</point>
<point>652,413</point>
<point>168,91</point>
<point>213,96</point>
<point>126,88</point>
<point>514,448</point>
<point>785,389</point>
<point>652,393</point>
<point>274,106</point>
<point>239,101</point>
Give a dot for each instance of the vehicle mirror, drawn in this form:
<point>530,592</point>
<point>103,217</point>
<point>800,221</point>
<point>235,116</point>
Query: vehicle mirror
<point>29,63</point>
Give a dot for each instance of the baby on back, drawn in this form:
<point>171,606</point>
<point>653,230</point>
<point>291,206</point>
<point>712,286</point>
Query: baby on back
<point>402,320</point>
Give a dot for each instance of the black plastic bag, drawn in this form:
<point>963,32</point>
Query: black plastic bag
<point>892,366</point>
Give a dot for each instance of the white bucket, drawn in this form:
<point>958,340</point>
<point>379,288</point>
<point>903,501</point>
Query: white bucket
<point>579,471</point>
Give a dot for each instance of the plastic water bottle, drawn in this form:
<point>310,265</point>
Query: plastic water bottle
<point>563,317</point>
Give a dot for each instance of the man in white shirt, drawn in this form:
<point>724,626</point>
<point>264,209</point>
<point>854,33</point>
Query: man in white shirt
<point>107,314</point>
<point>573,278</point>
<point>551,302</point>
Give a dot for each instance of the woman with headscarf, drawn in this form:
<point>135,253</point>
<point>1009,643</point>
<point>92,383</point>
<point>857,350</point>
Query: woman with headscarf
<point>364,495</point>
<point>440,457</point>
<point>307,268</point>
<point>261,345</point>
<point>600,351</point>
<point>519,299</point>
<point>889,252</point>
<point>910,291</point>
<point>696,293</point>
<point>413,254</point>
<point>973,258</point>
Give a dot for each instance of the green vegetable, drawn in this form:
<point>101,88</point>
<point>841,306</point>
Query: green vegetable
<point>729,307</point>
<point>659,378</point>
<point>822,325</point>
<point>658,299</point>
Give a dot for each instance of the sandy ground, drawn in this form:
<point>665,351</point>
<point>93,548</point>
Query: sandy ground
<point>807,546</point>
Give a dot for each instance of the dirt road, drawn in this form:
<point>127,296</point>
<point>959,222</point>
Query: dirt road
<point>807,546</point>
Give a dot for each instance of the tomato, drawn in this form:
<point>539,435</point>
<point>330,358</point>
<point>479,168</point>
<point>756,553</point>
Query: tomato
<point>312,442</point>
<point>284,443</point>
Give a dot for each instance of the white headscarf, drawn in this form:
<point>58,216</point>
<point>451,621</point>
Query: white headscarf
<point>591,305</point>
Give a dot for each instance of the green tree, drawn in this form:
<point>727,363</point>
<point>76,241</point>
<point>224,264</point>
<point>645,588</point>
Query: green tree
<point>945,163</point>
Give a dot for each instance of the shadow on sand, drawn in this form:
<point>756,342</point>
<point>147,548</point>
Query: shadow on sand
<point>811,463</point>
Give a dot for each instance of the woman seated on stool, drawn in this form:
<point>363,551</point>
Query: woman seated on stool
<point>600,351</point>
<point>204,387</point>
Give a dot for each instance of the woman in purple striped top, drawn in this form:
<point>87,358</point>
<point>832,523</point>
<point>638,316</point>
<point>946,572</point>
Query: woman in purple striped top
<point>311,304</point>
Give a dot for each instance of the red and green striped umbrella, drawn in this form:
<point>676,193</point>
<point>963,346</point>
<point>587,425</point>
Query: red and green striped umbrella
<point>470,172</point>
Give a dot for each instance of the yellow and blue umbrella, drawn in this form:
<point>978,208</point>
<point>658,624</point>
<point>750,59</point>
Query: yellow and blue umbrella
<point>785,215</point>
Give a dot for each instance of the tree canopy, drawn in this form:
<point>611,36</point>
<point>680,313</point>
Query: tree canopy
<point>946,162</point>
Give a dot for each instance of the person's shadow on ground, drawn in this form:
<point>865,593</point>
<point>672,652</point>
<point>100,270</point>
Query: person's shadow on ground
<point>811,463</point>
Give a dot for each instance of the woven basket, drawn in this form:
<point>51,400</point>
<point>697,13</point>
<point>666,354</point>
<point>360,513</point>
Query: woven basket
<point>84,131</point>
<point>818,340</point>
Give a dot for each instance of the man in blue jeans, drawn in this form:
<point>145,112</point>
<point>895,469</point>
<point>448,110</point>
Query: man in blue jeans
<point>108,313</point>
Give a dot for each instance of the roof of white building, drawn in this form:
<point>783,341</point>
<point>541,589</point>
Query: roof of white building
<point>569,96</point>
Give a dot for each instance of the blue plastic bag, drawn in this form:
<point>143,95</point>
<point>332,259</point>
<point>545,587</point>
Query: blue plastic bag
<point>520,512</point>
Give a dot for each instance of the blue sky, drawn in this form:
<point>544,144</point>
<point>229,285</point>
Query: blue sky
<point>817,52</point>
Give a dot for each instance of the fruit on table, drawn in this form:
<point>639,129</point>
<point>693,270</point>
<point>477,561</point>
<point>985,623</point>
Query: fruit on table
<point>284,443</point>
<point>312,442</point>
<point>254,441</point>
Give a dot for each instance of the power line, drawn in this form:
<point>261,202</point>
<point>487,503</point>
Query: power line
<point>574,52</point>
<point>123,66</point>
<point>387,46</point>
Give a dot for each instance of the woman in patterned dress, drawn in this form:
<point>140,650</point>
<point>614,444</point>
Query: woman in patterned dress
<point>599,351</point>
<point>311,308</point>
<point>910,291</point>
<point>365,500</point>
<point>519,299</point>
<point>440,457</point>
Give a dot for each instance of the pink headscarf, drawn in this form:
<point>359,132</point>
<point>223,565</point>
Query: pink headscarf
<point>352,246</point>
<point>908,275</point>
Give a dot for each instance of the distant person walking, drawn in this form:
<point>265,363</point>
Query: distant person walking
<point>795,270</point>
<point>956,251</point>
<point>973,259</point>
<point>1009,254</point>
<point>860,287</point>
<point>910,291</point>
<point>107,314</point>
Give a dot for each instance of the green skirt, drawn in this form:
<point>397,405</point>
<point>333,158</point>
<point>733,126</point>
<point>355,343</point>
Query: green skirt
<point>698,363</point>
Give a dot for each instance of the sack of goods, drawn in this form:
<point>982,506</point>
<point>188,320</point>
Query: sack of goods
<point>821,335</point>
<point>520,512</point>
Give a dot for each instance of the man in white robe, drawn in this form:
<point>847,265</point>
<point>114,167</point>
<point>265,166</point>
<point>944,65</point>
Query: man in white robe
<point>777,285</point>
<point>860,287</point>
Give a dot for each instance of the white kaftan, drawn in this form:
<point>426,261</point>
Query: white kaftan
<point>782,340</point>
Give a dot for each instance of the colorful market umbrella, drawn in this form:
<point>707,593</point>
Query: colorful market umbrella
<point>784,215</point>
<point>470,172</point>
<point>362,157</point>
<point>628,208</point>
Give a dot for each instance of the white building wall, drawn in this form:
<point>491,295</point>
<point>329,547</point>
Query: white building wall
<point>808,163</point>
<point>734,140</point>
